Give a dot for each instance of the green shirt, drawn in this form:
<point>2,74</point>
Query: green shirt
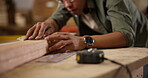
<point>112,16</point>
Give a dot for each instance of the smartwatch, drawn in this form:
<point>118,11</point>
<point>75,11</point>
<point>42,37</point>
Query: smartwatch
<point>89,41</point>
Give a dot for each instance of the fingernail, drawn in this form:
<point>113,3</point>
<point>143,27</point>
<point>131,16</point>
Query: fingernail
<point>30,37</point>
<point>36,37</point>
<point>45,38</point>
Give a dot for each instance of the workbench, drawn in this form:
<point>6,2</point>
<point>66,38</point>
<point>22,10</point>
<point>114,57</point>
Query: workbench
<point>134,58</point>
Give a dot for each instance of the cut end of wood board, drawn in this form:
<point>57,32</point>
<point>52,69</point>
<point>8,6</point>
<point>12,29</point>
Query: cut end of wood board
<point>20,52</point>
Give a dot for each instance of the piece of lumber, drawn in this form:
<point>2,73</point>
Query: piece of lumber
<point>17,53</point>
<point>134,58</point>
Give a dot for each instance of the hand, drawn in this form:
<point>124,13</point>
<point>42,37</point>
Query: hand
<point>65,42</point>
<point>41,30</point>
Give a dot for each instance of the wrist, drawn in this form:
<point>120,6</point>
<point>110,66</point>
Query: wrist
<point>83,44</point>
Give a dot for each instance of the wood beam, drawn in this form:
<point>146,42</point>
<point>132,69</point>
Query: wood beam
<point>17,53</point>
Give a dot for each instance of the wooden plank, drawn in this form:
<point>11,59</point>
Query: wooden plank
<point>133,57</point>
<point>17,53</point>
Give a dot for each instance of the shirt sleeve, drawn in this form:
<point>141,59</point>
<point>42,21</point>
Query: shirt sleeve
<point>121,19</point>
<point>61,15</point>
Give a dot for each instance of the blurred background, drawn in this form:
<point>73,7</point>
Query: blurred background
<point>17,16</point>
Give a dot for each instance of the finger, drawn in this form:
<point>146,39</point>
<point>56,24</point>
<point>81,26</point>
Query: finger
<point>42,30</point>
<point>64,49</point>
<point>35,33</point>
<point>57,36</point>
<point>62,33</point>
<point>56,46</point>
<point>59,45</point>
<point>29,32</point>
<point>51,43</point>
<point>48,31</point>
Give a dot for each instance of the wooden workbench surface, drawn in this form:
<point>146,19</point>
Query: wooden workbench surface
<point>69,68</point>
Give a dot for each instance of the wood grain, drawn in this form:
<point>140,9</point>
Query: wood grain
<point>134,58</point>
<point>17,53</point>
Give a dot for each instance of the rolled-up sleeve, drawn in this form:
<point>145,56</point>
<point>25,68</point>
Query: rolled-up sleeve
<point>121,19</point>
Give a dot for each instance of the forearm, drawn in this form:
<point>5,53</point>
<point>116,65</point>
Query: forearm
<point>111,40</point>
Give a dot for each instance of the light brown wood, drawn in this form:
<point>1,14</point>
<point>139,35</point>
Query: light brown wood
<point>17,53</point>
<point>134,58</point>
<point>138,73</point>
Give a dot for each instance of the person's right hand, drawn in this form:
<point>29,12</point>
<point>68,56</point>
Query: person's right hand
<point>40,30</point>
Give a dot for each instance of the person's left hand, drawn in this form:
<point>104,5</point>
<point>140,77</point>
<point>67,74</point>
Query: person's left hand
<point>66,41</point>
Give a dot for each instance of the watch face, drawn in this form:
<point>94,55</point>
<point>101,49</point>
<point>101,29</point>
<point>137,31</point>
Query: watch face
<point>89,40</point>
